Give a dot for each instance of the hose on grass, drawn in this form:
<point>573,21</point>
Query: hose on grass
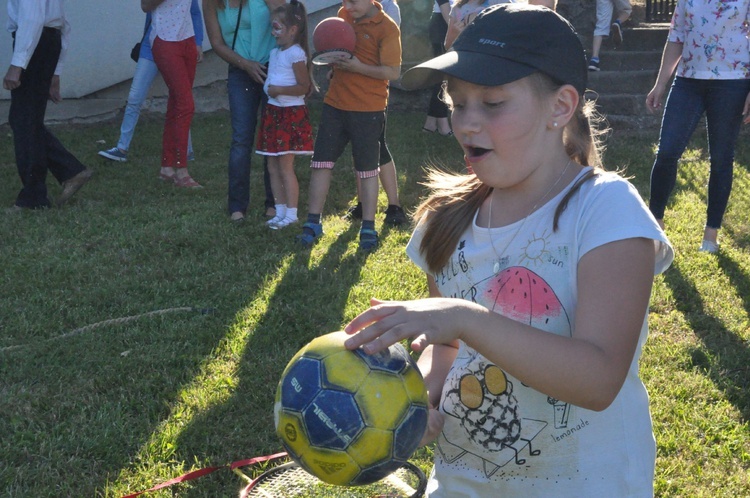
<point>116,321</point>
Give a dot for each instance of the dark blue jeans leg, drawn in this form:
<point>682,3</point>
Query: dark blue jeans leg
<point>245,96</point>
<point>725,100</point>
<point>684,107</point>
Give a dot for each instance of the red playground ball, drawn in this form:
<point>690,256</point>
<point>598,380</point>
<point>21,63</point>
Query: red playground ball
<point>333,37</point>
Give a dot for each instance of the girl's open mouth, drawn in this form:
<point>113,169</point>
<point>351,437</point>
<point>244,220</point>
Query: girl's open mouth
<point>475,154</point>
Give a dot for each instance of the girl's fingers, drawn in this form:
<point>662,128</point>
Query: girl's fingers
<point>372,338</point>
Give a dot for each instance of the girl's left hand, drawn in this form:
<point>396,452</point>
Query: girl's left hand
<point>425,321</point>
<point>435,422</point>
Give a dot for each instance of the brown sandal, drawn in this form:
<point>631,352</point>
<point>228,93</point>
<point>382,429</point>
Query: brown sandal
<point>186,182</point>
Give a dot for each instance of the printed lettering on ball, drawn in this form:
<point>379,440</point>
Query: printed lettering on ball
<point>347,417</point>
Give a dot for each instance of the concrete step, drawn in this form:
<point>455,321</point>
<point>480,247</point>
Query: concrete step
<point>645,37</point>
<point>619,82</point>
<point>643,122</point>
<point>623,104</point>
<point>629,60</point>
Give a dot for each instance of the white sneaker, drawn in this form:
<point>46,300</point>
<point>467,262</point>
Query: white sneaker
<point>284,223</point>
<point>709,247</point>
<point>273,221</point>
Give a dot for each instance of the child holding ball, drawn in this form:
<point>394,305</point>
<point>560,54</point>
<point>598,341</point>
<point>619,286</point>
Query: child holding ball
<point>354,111</point>
<point>540,266</point>
<point>285,129</point>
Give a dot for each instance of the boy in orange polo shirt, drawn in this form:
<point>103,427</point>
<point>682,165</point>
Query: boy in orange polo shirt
<point>354,111</point>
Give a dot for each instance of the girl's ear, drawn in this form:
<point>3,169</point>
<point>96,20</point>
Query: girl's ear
<point>564,105</point>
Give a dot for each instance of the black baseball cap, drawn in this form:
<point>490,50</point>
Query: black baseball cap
<point>505,43</point>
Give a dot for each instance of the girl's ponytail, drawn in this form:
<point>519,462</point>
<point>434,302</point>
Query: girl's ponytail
<point>583,143</point>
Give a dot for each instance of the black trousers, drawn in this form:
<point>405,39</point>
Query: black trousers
<point>37,149</point>
<point>437,30</point>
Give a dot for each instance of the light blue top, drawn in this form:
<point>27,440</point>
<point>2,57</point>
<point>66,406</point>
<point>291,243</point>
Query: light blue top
<point>195,13</point>
<point>254,40</point>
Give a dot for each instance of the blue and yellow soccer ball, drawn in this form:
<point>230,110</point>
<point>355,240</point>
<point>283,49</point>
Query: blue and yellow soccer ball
<point>347,417</point>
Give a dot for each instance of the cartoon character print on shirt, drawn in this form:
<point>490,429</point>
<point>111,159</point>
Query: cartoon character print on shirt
<point>480,396</point>
<point>486,410</point>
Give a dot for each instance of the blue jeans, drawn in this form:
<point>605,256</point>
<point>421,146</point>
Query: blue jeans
<point>145,72</point>
<point>245,99</point>
<point>722,101</point>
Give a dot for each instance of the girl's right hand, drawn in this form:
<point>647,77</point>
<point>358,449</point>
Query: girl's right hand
<point>424,321</point>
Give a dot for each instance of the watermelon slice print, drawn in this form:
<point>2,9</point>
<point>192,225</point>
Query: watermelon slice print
<point>522,295</point>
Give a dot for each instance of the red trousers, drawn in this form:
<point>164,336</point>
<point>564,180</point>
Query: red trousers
<point>176,62</point>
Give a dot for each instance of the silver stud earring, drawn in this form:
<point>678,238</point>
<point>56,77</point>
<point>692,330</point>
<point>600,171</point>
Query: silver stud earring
<point>554,124</point>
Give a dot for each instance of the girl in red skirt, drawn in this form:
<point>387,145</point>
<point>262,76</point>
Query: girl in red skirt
<point>285,124</point>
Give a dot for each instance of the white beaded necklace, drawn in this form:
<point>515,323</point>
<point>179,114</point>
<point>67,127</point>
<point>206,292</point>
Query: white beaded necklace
<point>496,266</point>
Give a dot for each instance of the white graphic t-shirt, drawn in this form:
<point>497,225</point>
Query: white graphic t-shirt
<point>502,438</point>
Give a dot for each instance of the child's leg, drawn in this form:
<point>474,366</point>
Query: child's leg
<point>623,10</point>
<point>387,175</point>
<point>389,181</point>
<point>278,188</point>
<point>329,144</point>
<point>320,181</point>
<point>277,182</point>
<point>596,46</point>
<point>369,197</point>
<point>604,9</point>
<point>286,213</point>
<point>366,135</point>
<point>289,180</point>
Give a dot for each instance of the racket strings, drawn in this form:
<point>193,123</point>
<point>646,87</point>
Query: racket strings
<point>291,481</point>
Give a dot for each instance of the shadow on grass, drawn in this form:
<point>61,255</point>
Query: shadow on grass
<point>288,324</point>
<point>726,355</point>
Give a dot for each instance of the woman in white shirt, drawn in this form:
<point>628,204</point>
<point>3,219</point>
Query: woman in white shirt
<point>173,46</point>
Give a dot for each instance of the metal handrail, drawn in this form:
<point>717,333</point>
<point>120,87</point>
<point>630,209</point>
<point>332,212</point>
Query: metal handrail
<point>659,10</point>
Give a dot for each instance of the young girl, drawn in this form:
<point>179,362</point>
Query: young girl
<point>285,124</point>
<point>462,13</point>
<point>540,267</point>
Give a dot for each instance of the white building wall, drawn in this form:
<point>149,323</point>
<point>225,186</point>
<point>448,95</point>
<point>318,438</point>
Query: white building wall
<point>102,34</point>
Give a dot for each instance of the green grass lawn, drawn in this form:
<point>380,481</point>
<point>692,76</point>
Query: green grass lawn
<point>103,409</point>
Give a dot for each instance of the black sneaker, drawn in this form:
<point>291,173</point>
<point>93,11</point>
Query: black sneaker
<point>354,212</point>
<point>615,32</point>
<point>394,215</point>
